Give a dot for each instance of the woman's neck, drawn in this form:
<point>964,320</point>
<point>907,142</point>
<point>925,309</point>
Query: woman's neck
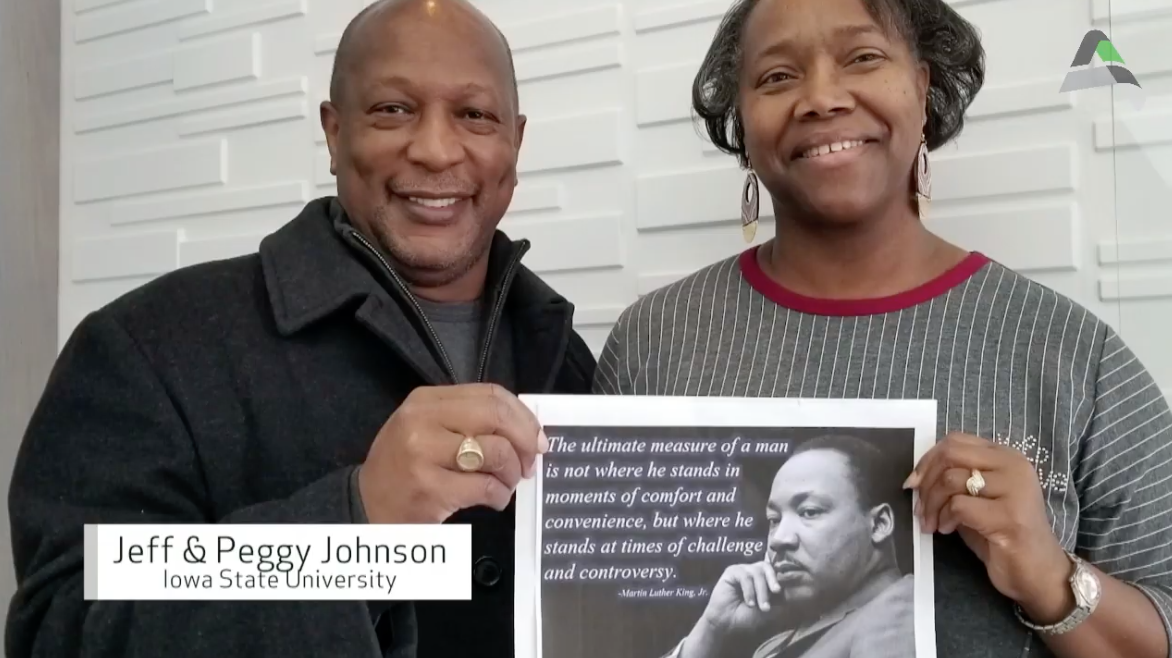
<point>874,259</point>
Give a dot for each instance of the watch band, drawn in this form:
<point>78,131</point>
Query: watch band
<point>1085,586</point>
<point>1065,626</point>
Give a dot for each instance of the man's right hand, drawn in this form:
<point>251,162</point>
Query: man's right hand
<point>410,474</point>
<point>742,598</point>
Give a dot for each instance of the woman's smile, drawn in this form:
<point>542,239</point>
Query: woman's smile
<point>833,156</point>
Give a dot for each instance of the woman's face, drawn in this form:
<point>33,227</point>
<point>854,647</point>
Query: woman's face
<point>833,107</point>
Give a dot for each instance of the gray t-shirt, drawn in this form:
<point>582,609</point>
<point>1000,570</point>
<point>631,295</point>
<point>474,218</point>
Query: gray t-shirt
<point>460,326</point>
<point>1005,358</point>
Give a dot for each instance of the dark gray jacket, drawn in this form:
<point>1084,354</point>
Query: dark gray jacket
<point>246,391</point>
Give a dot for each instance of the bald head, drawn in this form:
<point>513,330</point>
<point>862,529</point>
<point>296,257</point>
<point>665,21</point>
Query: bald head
<point>371,23</point>
<point>424,133</point>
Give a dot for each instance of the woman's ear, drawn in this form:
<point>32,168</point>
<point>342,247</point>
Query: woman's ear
<point>923,82</point>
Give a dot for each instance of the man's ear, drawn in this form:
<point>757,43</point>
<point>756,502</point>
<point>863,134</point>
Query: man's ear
<point>520,138</point>
<point>330,125</point>
<point>882,523</point>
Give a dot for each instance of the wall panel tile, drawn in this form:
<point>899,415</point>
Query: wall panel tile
<point>222,60</point>
<point>132,73</point>
<point>257,14</point>
<point>564,27</point>
<point>191,164</point>
<point>291,194</point>
<point>243,117</point>
<point>1048,168</point>
<point>196,102</point>
<point>124,256</point>
<point>577,243</point>
<point>134,16</point>
<point>579,140</point>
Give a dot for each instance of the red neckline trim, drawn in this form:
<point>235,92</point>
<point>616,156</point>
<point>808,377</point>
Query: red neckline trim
<point>782,296</point>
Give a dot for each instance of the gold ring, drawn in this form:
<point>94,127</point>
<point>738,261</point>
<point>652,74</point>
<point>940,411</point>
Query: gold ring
<point>975,483</point>
<point>470,457</point>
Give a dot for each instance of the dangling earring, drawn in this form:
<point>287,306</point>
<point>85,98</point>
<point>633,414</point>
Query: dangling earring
<point>923,178</point>
<point>750,207</point>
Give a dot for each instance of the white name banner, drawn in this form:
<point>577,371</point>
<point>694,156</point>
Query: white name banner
<point>268,562</point>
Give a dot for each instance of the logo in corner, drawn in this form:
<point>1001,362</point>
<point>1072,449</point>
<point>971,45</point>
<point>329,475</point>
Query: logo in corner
<point>1089,76</point>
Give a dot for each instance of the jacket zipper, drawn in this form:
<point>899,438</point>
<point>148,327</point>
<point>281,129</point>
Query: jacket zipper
<point>559,360</point>
<point>498,307</point>
<point>390,271</point>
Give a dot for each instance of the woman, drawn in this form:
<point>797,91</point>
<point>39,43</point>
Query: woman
<point>833,105</point>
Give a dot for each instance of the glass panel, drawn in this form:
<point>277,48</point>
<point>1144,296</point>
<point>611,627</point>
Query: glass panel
<point>1064,169</point>
<point>1136,261</point>
<point>1024,182</point>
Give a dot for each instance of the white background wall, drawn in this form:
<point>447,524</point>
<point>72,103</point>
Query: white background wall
<point>190,130</point>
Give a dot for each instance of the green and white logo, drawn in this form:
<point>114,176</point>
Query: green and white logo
<point>1088,76</point>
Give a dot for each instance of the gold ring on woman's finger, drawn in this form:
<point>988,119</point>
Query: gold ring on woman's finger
<point>975,483</point>
<point>470,456</point>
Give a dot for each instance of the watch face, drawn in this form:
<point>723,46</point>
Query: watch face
<point>1086,587</point>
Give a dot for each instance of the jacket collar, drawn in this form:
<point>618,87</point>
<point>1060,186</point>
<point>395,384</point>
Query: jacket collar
<point>309,272</point>
<point>312,270</point>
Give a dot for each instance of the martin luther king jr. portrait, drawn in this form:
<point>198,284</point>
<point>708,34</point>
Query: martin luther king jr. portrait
<point>829,584</point>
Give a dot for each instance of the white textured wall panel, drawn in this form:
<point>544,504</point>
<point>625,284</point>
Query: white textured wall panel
<point>1011,171</point>
<point>1152,250</point>
<point>1129,10</point>
<point>149,69</point>
<point>154,170</point>
<point>136,255</point>
<point>210,203</point>
<point>578,243</point>
<point>529,197</point>
<point>1137,287</point>
<point>222,60</point>
<point>1047,235</point>
<point>321,170</point>
<point>572,141</point>
<point>563,27</point>
<point>253,14</point>
<point>664,94</point>
<point>190,103</point>
<point>255,115</point>
<point>192,252</point>
<point>680,13</point>
<point>579,59</point>
<point>191,131</point>
<point>700,196</point>
<point>81,6</point>
<point>1020,98</point>
<point>135,16</point>
<point>1133,129</point>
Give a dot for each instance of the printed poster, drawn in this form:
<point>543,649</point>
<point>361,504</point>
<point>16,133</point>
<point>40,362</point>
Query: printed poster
<point>673,527</point>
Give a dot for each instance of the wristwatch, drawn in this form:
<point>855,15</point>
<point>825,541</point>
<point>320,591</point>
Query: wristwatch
<point>1087,590</point>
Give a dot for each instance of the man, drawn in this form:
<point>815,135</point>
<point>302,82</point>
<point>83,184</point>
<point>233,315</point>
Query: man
<point>380,328</point>
<point>830,585</point>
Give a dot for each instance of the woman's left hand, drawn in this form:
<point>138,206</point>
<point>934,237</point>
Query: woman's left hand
<point>1005,524</point>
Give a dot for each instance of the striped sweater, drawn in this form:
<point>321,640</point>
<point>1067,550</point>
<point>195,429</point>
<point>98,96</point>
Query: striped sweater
<point>1006,358</point>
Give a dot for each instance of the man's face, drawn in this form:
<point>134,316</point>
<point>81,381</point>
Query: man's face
<point>425,141</point>
<point>820,538</point>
